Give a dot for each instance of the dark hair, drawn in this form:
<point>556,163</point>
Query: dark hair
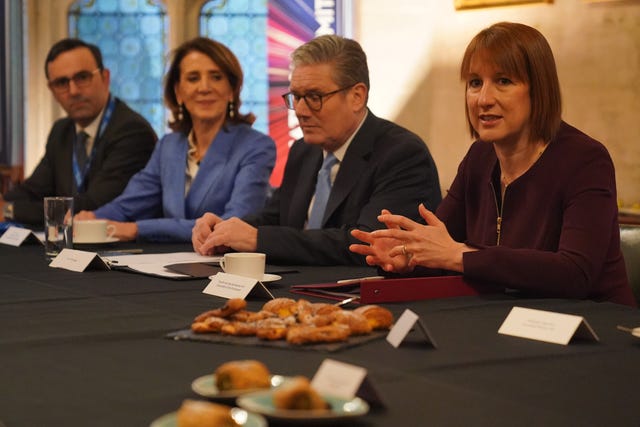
<point>228,63</point>
<point>346,55</point>
<point>523,52</point>
<point>68,44</point>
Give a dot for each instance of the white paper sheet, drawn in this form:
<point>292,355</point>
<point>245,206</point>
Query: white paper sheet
<point>154,263</point>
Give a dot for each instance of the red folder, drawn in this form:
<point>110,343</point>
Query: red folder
<point>395,290</point>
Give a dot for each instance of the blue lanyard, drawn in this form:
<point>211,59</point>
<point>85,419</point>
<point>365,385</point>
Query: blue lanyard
<point>78,174</point>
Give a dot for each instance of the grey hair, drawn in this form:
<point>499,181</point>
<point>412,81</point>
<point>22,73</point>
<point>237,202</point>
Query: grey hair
<point>347,57</point>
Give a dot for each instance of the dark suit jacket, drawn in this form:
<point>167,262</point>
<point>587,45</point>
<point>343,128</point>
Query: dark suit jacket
<point>385,167</point>
<point>121,151</point>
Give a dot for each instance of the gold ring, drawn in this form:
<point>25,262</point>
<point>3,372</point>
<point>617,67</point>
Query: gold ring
<point>404,250</point>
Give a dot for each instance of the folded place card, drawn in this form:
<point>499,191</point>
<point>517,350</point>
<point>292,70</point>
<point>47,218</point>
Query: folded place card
<point>79,261</point>
<point>229,286</point>
<point>16,236</point>
<point>548,326</point>
<point>346,381</point>
<point>404,325</point>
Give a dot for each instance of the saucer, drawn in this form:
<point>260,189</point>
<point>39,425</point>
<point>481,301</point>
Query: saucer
<point>270,277</point>
<point>95,242</point>
<point>265,279</point>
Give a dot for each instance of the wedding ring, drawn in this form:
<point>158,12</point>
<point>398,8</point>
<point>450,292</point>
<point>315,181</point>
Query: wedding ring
<point>404,250</point>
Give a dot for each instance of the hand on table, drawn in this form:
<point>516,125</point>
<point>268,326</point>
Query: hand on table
<point>232,233</point>
<point>124,231</point>
<point>201,230</point>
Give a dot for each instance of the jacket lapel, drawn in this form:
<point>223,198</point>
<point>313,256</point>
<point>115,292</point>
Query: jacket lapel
<point>308,162</point>
<point>173,178</point>
<point>211,169</point>
<point>352,167</point>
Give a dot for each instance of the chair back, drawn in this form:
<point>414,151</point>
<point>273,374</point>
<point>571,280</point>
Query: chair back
<point>630,245</point>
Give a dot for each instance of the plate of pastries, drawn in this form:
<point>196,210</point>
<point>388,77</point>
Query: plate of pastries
<point>296,322</point>
<point>199,413</point>
<point>234,378</point>
<point>297,400</point>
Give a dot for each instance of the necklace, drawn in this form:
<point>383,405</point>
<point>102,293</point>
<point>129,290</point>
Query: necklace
<point>505,181</point>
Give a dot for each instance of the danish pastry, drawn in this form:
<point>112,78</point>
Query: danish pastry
<point>378,317</point>
<point>297,394</point>
<point>242,374</point>
<point>232,305</point>
<point>317,334</point>
<point>239,328</point>
<point>271,329</point>
<point>283,307</point>
<point>356,322</point>
<point>209,324</point>
<point>198,413</point>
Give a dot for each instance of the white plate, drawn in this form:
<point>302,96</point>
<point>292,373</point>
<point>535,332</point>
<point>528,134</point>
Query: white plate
<point>205,386</point>
<point>261,402</point>
<point>240,416</point>
<point>89,242</point>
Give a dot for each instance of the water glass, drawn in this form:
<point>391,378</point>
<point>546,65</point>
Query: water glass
<point>58,225</point>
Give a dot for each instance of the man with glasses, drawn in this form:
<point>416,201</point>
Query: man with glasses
<point>91,153</point>
<point>348,166</point>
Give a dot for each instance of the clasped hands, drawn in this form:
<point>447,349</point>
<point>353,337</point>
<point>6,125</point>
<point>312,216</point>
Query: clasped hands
<point>211,235</point>
<point>405,244</point>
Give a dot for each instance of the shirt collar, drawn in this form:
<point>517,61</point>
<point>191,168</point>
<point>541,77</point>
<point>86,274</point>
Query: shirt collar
<point>92,129</point>
<point>340,152</point>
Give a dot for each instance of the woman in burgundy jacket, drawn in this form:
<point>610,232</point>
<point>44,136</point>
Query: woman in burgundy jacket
<point>533,206</point>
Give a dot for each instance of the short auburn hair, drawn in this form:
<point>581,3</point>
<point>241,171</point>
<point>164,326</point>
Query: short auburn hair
<point>523,52</point>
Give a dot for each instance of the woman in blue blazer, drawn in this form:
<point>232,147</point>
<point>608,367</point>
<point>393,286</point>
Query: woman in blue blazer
<point>212,162</point>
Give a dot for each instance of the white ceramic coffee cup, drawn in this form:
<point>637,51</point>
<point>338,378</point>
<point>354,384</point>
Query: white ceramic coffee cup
<point>247,264</point>
<point>92,230</point>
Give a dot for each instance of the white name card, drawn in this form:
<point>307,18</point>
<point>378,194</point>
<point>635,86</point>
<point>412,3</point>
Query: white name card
<point>403,326</point>
<point>548,326</point>
<point>227,285</point>
<point>79,261</point>
<point>346,381</point>
<point>16,236</point>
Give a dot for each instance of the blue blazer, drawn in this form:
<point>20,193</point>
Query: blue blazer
<point>233,180</point>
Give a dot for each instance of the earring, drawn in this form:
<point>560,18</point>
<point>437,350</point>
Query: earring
<point>231,110</point>
<point>180,112</point>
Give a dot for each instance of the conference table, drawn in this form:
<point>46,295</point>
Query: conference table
<point>91,349</point>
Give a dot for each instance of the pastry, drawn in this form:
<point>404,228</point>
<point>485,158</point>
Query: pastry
<point>239,328</point>
<point>198,413</point>
<point>317,334</point>
<point>357,323</point>
<point>232,305</point>
<point>271,329</point>
<point>242,375</point>
<point>378,317</point>
<point>297,394</point>
<point>283,307</point>
<point>209,324</point>
<point>321,308</point>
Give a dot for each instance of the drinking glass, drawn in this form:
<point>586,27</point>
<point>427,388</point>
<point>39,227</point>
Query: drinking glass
<point>58,225</point>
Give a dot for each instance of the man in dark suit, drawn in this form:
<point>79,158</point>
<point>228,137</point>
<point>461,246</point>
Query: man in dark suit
<point>368,164</point>
<point>90,154</point>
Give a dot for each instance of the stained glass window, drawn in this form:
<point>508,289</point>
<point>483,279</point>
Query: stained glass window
<point>242,26</point>
<point>132,35</point>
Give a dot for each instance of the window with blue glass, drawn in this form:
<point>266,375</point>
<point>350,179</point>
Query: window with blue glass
<point>242,26</point>
<point>132,35</point>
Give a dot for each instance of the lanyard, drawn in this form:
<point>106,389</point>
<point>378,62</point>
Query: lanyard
<point>79,175</point>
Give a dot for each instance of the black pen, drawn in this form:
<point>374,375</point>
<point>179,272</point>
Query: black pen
<point>121,252</point>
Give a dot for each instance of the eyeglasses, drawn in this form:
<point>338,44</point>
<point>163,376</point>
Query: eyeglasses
<point>80,79</point>
<point>313,100</point>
